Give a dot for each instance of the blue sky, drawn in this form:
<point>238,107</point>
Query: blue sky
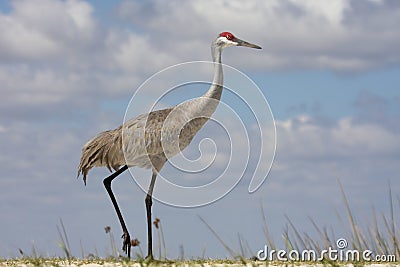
<point>68,69</point>
<point>332,94</point>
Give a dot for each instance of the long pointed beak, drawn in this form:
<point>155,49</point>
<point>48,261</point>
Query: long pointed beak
<point>247,44</point>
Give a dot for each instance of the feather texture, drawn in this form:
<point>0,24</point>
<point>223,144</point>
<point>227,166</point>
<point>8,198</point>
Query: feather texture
<point>149,140</point>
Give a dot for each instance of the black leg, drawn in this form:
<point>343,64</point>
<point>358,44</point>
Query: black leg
<point>126,245</point>
<point>149,203</point>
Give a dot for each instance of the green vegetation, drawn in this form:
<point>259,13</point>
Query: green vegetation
<point>380,235</point>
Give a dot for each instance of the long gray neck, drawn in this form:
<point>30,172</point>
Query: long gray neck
<point>205,105</point>
<point>215,90</point>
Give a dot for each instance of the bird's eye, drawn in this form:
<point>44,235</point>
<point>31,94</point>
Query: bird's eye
<point>229,36</point>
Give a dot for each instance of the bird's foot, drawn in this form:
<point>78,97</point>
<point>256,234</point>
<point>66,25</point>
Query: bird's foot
<point>149,258</point>
<point>126,244</point>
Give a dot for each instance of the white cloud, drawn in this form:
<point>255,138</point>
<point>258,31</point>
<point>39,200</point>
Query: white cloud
<point>339,35</point>
<point>54,50</point>
<point>304,139</point>
<point>136,54</point>
<point>42,30</point>
<point>332,11</point>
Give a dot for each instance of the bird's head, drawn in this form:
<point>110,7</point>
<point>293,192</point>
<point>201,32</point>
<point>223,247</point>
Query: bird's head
<point>226,39</point>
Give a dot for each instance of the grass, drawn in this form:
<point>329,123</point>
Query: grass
<point>380,234</point>
<point>64,243</point>
<point>380,240</point>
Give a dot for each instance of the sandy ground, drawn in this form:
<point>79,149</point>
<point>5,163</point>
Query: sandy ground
<point>219,263</point>
<point>77,263</point>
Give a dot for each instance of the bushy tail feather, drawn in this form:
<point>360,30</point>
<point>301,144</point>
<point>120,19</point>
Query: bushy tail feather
<point>105,149</point>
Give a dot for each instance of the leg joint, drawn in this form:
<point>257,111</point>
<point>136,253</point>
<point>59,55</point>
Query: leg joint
<point>107,182</point>
<point>148,200</point>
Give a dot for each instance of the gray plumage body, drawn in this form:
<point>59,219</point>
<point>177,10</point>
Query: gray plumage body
<point>149,140</point>
<point>141,140</point>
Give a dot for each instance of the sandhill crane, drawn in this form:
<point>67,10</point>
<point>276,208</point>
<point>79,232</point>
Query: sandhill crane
<point>141,141</point>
